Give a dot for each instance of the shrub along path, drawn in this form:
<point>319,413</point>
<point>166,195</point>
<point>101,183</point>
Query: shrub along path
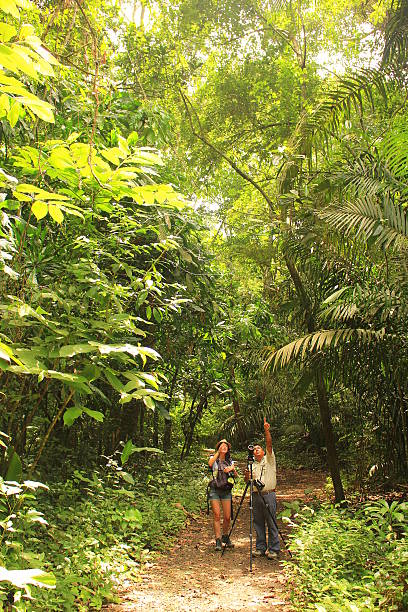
<point>193,577</point>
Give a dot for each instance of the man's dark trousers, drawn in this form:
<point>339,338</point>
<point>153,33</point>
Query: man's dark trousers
<point>261,515</point>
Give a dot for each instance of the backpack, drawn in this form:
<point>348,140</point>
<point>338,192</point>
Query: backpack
<point>221,480</point>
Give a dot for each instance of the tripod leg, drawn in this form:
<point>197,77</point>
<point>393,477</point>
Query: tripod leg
<point>251,518</point>
<point>236,515</point>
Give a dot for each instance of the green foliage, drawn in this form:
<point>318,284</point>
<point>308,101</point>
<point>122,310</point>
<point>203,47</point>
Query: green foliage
<point>22,53</point>
<point>99,527</point>
<point>132,323</point>
<point>348,561</point>
<point>19,519</point>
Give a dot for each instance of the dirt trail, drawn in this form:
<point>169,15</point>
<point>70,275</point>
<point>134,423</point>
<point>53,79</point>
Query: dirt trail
<point>193,577</point>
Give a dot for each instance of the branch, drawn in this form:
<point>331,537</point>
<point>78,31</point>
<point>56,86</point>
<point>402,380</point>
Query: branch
<point>228,159</point>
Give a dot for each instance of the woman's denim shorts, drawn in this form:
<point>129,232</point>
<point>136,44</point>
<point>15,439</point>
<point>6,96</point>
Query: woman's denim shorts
<point>219,494</point>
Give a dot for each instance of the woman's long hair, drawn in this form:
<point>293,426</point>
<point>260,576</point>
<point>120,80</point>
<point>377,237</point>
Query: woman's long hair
<point>228,453</point>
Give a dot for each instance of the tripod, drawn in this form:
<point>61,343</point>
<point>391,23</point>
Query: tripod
<point>250,485</point>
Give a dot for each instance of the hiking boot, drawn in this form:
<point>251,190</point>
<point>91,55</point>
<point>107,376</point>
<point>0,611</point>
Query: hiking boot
<point>226,540</point>
<point>258,553</point>
<point>271,554</point>
<point>218,545</point>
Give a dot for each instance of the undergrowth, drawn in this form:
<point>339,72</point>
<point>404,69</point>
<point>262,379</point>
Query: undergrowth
<point>354,561</point>
<point>102,526</point>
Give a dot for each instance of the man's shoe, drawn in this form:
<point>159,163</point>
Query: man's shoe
<point>226,540</point>
<point>218,545</point>
<point>271,554</point>
<point>258,553</point>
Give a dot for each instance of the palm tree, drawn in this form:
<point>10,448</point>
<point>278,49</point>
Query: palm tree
<point>367,196</point>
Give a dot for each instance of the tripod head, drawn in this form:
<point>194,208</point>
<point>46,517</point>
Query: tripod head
<point>250,457</point>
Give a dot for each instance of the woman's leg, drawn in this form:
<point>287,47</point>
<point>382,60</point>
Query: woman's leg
<point>226,510</point>
<point>216,509</point>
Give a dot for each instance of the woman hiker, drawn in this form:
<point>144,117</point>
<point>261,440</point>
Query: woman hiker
<point>223,471</point>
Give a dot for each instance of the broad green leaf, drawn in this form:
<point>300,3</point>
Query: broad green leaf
<point>65,376</point>
<point>26,188</point>
<point>150,378</point>
<point>95,414</point>
<point>46,55</point>
<point>113,380</point>
<point>7,32</point>
<point>70,350</point>
<point>58,197</point>
<point>71,414</point>
<point>42,109</point>
<point>15,57</point>
<point>141,298</point>
<point>14,466</point>
<point>129,449</point>
<point>56,213</point>
<point>21,578</point>
<point>123,146</point>
<point>126,452</point>
<point>4,104</point>
<point>149,402</point>
<point>39,209</point>
<point>134,515</point>
<point>61,158</point>
<point>14,113</point>
<point>113,155</point>
<point>22,197</point>
<point>5,356</point>
<point>134,384</point>
<point>91,372</point>
<point>26,30</point>
<point>157,315</point>
<point>9,7</point>
<point>127,477</point>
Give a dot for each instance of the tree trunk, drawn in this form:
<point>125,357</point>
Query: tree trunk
<point>329,437</point>
<point>155,428</point>
<point>167,436</point>
<point>141,424</point>
<point>167,422</point>
<point>322,398</point>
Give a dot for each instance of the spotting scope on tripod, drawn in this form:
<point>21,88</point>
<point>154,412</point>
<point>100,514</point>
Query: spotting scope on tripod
<point>251,483</point>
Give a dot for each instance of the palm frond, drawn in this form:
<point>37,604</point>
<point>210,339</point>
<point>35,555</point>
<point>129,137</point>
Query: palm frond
<point>360,305</point>
<point>395,151</point>
<point>350,92</point>
<point>318,341</point>
<point>339,313</point>
<point>369,176</point>
<point>385,224</point>
<point>396,34</point>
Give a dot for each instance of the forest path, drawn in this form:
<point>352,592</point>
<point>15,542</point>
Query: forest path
<point>194,577</point>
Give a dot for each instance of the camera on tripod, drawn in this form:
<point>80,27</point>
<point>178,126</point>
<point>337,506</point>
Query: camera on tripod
<point>250,458</point>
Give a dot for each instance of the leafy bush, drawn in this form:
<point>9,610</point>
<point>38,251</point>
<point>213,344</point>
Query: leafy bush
<point>350,561</point>
<point>103,525</point>
<point>18,517</point>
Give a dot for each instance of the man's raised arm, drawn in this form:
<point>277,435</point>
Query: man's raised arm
<point>268,438</point>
